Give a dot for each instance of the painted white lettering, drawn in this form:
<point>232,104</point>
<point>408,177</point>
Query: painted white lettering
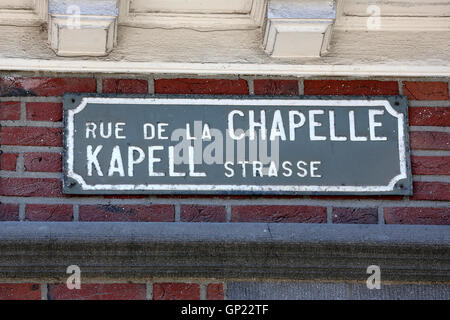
<point>102,130</point>
<point>133,161</point>
<point>231,125</point>
<point>373,124</point>
<point>277,127</point>
<point>118,130</point>
<point>313,168</point>
<point>206,134</point>
<point>294,125</point>
<point>273,171</point>
<point>257,168</point>
<point>287,165</point>
<point>172,172</point>
<point>303,172</point>
<point>152,160</point>
<point>149,131</point>
<point>192,172</point>
<point>243,163</point>
<point>313,124</point>
<point>253,124</point>
<point>351,119</point>
<point>333,136</point>
<point>92,160</point>
<point>116,163</point>
<point>230,170</point>
<point>188,133</point>
<point>161,130</point>
<point>90,129</point>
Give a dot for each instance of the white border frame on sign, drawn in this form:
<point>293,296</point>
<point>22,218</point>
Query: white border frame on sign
<point>231,188</point>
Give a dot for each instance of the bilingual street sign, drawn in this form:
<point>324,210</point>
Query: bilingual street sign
<point>236,145</point>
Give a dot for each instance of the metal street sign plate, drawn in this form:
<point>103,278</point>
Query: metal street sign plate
<point>236,145</point>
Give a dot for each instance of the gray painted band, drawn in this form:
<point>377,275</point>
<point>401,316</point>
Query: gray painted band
<point>232,233</point>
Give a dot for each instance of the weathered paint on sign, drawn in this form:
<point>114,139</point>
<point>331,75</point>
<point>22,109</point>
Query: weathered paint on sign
<point>236,145</point>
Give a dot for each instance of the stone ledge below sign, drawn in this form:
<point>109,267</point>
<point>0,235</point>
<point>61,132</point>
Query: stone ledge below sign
<point>224,251</point>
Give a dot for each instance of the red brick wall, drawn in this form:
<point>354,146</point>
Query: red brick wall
<point>30,168</point>
<point>156,290</point>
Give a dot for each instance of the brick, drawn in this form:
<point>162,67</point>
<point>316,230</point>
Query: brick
<point>214,291</point>
<point>31,136</point>
<point>149,213</point>
<point>49,212</point>
<point>201,86</point>
<point>202,213</point>
<point>430,165</point>
<point>44,111</point>
<point>279,213</point>
<point>276,87</point>
<point>30,187</point>
<point>350,87</point>
<point>176,291</point>
<point>355,215</point>
<point>129,86</point>
<point>43,162</point>
<point>427,140</point>
<point>112,291</point>
<point>436,191</point>
<point>9,212</point>
<point>428,216</point>
<point>8,161</point>
<point>425,90</point>
<point>10,110</point>
<point>429,116</point>
<point>20,291</point>
<point>42,86</point>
